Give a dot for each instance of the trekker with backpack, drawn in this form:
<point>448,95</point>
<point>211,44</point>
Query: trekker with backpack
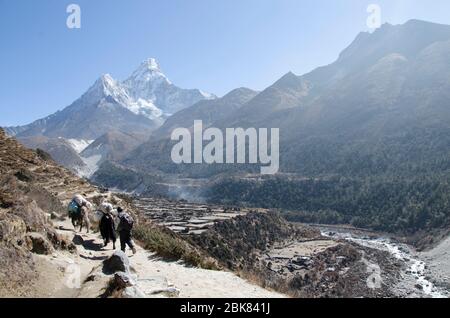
<point>125,228</point>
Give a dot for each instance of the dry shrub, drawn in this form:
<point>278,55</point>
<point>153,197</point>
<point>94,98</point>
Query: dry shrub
<point>168,245</point>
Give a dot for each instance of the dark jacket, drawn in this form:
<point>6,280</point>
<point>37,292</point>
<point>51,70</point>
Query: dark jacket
<point>107,227</point>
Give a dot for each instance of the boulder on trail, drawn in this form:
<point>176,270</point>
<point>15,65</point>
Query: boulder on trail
<point>38,244</point>
<point>61,242</point>
<point>118,262</point>
<point>123,280</point>
<point>78,240</point>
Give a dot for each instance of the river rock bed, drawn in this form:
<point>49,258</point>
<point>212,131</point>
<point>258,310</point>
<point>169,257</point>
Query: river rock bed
<point>325,267</point>
<point>414,280</point>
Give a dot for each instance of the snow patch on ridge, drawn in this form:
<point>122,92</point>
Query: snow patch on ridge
<point>207,95</point>
<point>146,108</point>
<point>79,144</point>
<point>92,165</point>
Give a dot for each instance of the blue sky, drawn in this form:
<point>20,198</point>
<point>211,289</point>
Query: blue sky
<point>213,45</point>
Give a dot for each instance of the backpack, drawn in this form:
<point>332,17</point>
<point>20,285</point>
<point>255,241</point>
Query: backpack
<point>126,222</point>
<point>74,209</point>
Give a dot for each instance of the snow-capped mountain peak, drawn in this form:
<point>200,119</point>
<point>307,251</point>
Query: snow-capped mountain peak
<point>151,64</point>
<point>149,72</point>
<point>150,84</point>
<point>107,86</point>
<point>104,83</point>
<point>110,86</point>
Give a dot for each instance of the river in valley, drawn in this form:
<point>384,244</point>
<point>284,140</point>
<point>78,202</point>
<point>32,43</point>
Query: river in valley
<point>414,278</point>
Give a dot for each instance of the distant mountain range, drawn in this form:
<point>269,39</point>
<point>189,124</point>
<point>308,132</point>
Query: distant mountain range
<point>381,107</point>
<point>135,107</point>
<point>384,102</point>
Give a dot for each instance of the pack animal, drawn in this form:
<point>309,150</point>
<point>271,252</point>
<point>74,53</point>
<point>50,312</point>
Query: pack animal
<point>79,209</point>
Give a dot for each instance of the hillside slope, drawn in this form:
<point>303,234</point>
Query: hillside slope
<point>39,250</point>
<point>380,108</point>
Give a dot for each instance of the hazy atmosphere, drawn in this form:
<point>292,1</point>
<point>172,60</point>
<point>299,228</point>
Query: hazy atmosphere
<point>214,45</point>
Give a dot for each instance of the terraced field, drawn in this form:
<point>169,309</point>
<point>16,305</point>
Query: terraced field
<point>186,218</point>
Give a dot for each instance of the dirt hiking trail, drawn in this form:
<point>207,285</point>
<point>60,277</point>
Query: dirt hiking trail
<point>70,275</point>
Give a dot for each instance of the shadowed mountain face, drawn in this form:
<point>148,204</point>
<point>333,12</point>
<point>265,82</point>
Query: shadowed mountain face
<point>363,141</point>
<point>384,102</point>
<point>208,111</point>
<point>61,150</point>
<point>154,155</point>
<point>113,146</point>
